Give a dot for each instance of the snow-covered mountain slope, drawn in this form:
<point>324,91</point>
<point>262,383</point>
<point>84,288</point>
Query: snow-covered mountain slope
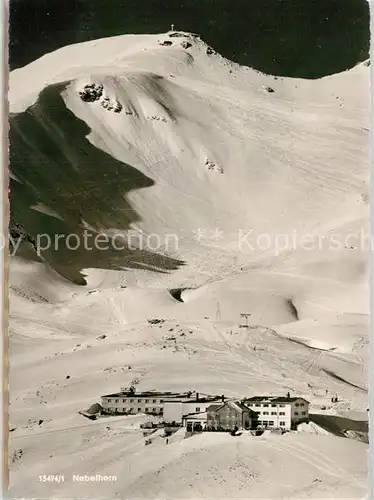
<point>259,184</point>
<point>217,154</point>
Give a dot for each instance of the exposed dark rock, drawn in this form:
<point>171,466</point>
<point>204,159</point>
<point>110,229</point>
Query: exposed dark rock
<point>18,233</point>
<point>17,455</point>
<point>213,166</point>
<point>91,92</point>
<point>112,105</point>
<point>166,43</point>
<point>177,34</point>
<point>176,293</point>
<point>269,89</point>
<point>157,118</point>
<point>210,51</point>
<point>67,376</point>
<point>40,422</point>
<point>101,337</point>
<point>155,321</point>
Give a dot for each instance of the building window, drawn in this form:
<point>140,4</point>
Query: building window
<point>198,408</point>
<point>303,413</point>
<point>266,406</point>
<point>161,401</point>
<point>297,404</point>
<point>154,401</point>
<point>139,409</point>
<point>154,409</point>
<point>116,401</point>
<point>265,422</point>
<point>109,400</point>
<point>266,413</point>
<point>282,413</point>
<point>131,400</point>
<point>257,404</point>
<point>273,406</point>
<point>282,424</point>
<point>139,400</point>
<point>131,410</point>
<point>271,422</point>
<point>296,412</point>
<point>302,404</point>
<point>282,406</point>
<point>259,422</point>
<point>147,400</point>
<point>273,412</point>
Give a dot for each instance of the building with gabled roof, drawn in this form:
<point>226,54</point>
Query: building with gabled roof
<point>279,412</point>
<point>230,415</point>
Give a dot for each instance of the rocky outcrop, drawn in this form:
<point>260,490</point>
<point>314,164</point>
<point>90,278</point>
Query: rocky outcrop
<point>166,43</point>
<point>213,166</point>
<point>210,51</point>
<point>186,44</point>
<point>17,455</point>
<point>113,105</point>
<point>157,118</point>
<point>177,34</point>
<point>91,92</point>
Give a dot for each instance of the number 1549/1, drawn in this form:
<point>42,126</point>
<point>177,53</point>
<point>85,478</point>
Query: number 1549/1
<point>51,478</point>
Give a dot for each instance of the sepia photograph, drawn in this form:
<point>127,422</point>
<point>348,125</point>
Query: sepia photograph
<point>188,249</point>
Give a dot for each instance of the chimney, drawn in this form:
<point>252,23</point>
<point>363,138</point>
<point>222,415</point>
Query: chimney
<point>197,396</point>
<point>288,395</point>
<point>223,398</point>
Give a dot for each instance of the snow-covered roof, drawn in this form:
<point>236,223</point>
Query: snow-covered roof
<point>274,399</point>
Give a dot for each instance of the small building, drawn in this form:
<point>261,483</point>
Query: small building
<point>195,422</point>
<point>230,415</point>
<point>130,403</point>
<point>176,408</point>
<point>279,412</point>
